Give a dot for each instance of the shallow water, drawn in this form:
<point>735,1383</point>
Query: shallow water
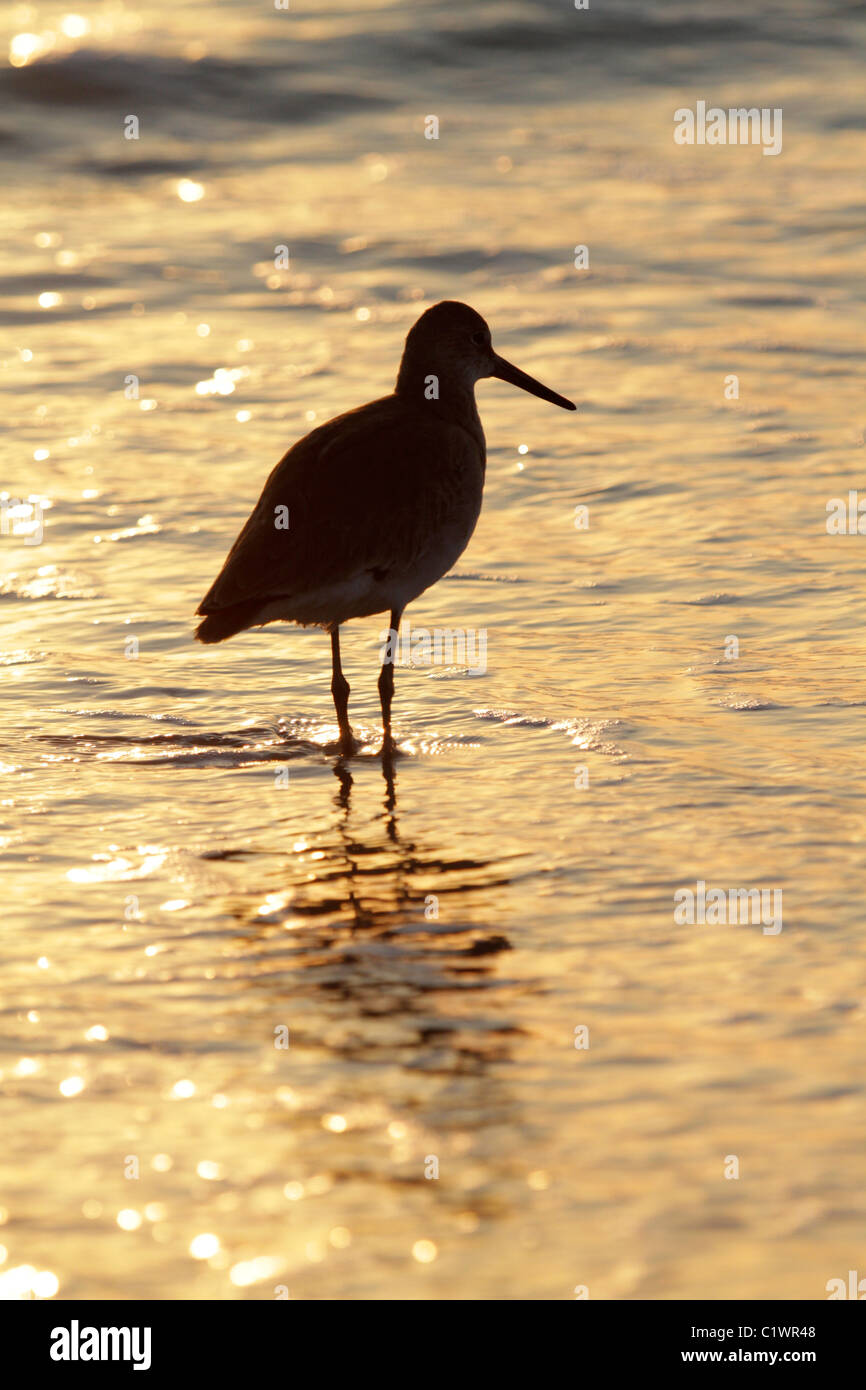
<point>187,866</point>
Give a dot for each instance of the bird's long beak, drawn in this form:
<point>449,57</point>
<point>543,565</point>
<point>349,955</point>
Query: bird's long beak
<point>505,372</point>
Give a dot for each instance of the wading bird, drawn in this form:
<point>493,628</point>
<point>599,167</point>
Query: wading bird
<point>380,502</point>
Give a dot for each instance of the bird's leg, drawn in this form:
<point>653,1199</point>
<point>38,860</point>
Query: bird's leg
<point>386,685</point>
<point>340,692</point>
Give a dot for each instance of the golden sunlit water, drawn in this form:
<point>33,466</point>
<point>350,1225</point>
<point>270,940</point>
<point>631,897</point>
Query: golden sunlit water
<point>254,999</point>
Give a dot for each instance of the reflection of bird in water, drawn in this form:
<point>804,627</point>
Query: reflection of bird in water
<point>410,983</point>
<point>371,883</point>
<point>369,510</point>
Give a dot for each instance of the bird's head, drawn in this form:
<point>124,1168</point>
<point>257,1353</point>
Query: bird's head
<point>451,342</point>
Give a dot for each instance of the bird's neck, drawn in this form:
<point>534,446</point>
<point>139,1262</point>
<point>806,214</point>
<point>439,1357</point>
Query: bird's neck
<point>446,396</point>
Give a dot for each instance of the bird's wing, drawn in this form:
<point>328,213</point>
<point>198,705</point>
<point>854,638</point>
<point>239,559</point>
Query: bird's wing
<point>362,495</point>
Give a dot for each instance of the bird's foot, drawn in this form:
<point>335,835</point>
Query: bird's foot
<point>390,750</point>
<point>346,746</point>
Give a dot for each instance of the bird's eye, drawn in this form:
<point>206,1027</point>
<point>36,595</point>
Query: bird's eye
<point>479,339</point>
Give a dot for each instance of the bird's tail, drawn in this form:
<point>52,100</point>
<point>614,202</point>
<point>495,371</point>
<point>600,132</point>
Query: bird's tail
<point>226,622</point>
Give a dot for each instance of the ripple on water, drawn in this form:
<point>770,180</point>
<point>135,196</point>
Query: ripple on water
<point>583,733</point>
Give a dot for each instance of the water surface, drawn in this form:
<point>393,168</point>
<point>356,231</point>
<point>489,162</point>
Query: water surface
<point>188,869</point>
